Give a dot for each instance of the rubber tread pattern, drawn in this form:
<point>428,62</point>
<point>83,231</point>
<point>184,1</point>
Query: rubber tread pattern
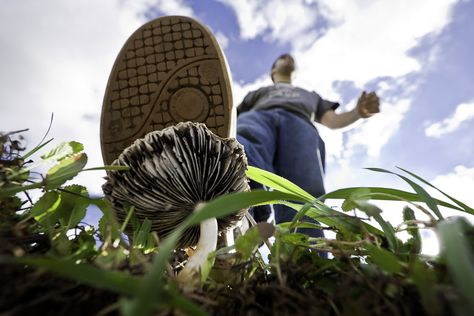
<point>170,70</point>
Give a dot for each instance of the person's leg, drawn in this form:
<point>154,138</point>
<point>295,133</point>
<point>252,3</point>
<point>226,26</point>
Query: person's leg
<point>298,159</point>
<point>257,133</point>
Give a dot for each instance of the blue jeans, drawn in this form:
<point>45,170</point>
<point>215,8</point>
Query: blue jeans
<point>288,145</point>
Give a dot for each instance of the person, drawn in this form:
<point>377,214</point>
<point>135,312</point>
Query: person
<point>275,126</point>
<point>172,70</point>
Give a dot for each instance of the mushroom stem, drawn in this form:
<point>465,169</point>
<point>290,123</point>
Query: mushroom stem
<point>197,268</point>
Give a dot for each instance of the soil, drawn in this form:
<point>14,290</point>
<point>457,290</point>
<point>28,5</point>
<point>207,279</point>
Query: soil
<point>27,291</point>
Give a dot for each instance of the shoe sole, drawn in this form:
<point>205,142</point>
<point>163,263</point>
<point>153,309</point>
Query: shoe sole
<point>170,70</point>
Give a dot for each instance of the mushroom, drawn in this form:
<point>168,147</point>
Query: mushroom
<point>170,173</point>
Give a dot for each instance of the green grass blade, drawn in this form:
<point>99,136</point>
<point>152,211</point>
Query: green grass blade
<point>84,273</point>
<point>301,213</point>
<point>151,290</point>
<point>36,149</point>
<point>465,207</point>
<point>228,204</point>
<point>108,225</point>
<point>326,215</point>
<point>277,183</point>
<point>384,194</point>
<point>12,190</point>
<point>457,251</point>
<point>108,168</point>
<point>426,198</point>
<point>409,215</point>
<point>186,305</point>
<point>41,144</point>
<point>387,228</point>
<point>289,225</point>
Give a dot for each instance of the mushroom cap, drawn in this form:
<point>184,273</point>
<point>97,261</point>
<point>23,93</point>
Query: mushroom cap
<point>173,170</point>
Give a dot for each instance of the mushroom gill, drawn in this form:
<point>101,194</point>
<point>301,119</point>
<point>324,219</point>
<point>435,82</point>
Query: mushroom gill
<point>171,171</point>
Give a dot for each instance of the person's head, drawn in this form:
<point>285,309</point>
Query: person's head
<point>282,67</point>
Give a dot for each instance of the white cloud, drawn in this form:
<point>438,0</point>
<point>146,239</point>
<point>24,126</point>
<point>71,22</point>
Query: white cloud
<point>166,7</point>
<point>365,39</point>
<point>56,57</point>
<point>278,20</point>
<point>375,132</point>
<point>368,40</point>
<point>222,39</point>
<point>251,23</point>
<point>464,112</point>
<point>458,184</point>
<point>334,142</point>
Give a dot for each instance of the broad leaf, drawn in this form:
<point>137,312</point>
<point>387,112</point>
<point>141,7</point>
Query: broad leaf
<point>65,170</point>
<point>62,151</point>
<point>74,203</point>
<point>68,207</point>
<point>47,203</point>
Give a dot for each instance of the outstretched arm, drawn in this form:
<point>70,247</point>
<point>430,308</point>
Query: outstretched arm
<point>367,105</point>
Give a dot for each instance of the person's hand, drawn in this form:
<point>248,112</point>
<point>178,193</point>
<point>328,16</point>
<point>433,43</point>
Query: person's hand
<point>368,104</point>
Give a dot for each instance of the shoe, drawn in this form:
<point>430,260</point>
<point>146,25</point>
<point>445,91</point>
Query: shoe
<point>170,70</point>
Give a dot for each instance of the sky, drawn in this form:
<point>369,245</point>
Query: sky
<point>56,56</point>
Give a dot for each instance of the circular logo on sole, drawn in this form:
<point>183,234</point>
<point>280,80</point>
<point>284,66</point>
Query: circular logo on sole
<point>189,104</point>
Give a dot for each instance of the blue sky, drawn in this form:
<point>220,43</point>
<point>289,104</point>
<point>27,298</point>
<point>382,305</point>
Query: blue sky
<point>56,56</point>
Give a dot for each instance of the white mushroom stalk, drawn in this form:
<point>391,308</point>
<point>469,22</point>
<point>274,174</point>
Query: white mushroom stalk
<point>199,264</point>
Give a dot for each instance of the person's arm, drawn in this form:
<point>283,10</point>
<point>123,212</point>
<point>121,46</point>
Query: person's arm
<point>367,105</point>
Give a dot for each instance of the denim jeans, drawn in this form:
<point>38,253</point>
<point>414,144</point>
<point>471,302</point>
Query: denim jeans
<point>288,145</point>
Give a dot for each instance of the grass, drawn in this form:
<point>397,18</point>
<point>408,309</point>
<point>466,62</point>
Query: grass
<point>96,271</point>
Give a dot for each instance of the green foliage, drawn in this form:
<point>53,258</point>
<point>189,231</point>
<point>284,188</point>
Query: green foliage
<point>248,243</point>
<point>457,251</point>
<point>368,261</point>
<point>68,207</point>
<point>414,243</point>
<point>384,259</point>
<point>63,151</point>
<point>111,280</point>
<point>419,190</point>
